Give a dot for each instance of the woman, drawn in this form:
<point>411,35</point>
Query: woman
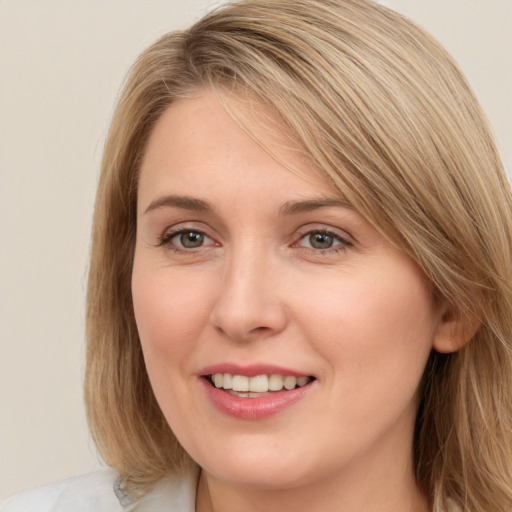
<point>300,286</point>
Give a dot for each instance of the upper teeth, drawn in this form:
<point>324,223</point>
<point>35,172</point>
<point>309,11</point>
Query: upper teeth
<point>258,384</point>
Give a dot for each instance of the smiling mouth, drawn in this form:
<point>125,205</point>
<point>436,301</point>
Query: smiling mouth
<point>258,386</point>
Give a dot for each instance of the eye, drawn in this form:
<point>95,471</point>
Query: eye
<point>323,240</point>
<point>186,239</point>
<point>189,239</point>
<point>320,240</point>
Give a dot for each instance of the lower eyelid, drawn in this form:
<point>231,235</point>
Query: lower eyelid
<point>341,241</point>
<point>166,240</point>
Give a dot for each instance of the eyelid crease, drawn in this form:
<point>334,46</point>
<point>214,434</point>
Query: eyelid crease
<point>320,227</point>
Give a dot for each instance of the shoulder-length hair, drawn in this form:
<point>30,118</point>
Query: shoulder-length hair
<point>389,119</point>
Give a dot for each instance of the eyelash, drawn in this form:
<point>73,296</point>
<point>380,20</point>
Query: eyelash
<point>343,243</point>
<point>166,241</point>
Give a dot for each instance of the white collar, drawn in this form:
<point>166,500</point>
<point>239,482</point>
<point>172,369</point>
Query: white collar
<point>176,493</point>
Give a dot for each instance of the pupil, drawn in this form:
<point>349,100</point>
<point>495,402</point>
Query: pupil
<point>320,240</point>
<point>191,239</point>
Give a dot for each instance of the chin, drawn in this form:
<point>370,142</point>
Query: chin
<point>259,468</point>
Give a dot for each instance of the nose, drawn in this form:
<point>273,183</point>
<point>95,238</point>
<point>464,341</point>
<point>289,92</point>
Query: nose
<point>249,304</point>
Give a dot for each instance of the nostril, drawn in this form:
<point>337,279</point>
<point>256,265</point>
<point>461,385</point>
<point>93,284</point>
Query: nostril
<point>260,329</point>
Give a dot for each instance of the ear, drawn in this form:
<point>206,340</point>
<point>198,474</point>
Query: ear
<point>456,327</point>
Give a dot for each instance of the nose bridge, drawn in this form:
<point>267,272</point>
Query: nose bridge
<point>248,302</point>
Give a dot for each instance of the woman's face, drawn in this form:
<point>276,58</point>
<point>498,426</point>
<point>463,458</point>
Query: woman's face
<point>250,276</point>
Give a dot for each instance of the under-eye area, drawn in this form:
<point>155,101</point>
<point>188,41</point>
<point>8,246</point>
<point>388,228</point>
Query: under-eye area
<point>244,386</point>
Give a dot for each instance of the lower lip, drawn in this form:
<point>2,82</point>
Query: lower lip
<point>253,408</point>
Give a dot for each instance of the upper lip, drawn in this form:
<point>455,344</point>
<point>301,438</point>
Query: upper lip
<point>251,370</point>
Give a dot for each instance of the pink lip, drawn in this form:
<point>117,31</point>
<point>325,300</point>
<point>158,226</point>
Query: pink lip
<point>252,370</point>
<point>252,408</point>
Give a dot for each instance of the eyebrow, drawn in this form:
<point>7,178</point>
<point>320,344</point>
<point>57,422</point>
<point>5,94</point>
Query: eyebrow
<point>298,207</point>
<point>184,202</point>
<point>288,208</point>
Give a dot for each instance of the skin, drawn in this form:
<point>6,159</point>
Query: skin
<point>358,316</point>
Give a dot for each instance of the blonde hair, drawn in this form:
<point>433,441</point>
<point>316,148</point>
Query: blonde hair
<point>387,116</point>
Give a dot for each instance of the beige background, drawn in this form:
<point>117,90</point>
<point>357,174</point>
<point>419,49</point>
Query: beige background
<point>61,65</point>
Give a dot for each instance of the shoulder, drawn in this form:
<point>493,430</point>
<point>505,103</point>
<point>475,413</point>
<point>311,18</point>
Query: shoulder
<point>92,491</point>
<point>99,492</point>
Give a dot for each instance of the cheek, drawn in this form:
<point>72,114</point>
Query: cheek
<point>170,313</point>
<point>377,331</point>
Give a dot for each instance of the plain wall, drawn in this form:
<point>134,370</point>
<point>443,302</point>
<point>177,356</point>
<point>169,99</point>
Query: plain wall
<point>61,66</point>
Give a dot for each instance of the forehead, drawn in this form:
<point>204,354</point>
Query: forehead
<point>200,144</point>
